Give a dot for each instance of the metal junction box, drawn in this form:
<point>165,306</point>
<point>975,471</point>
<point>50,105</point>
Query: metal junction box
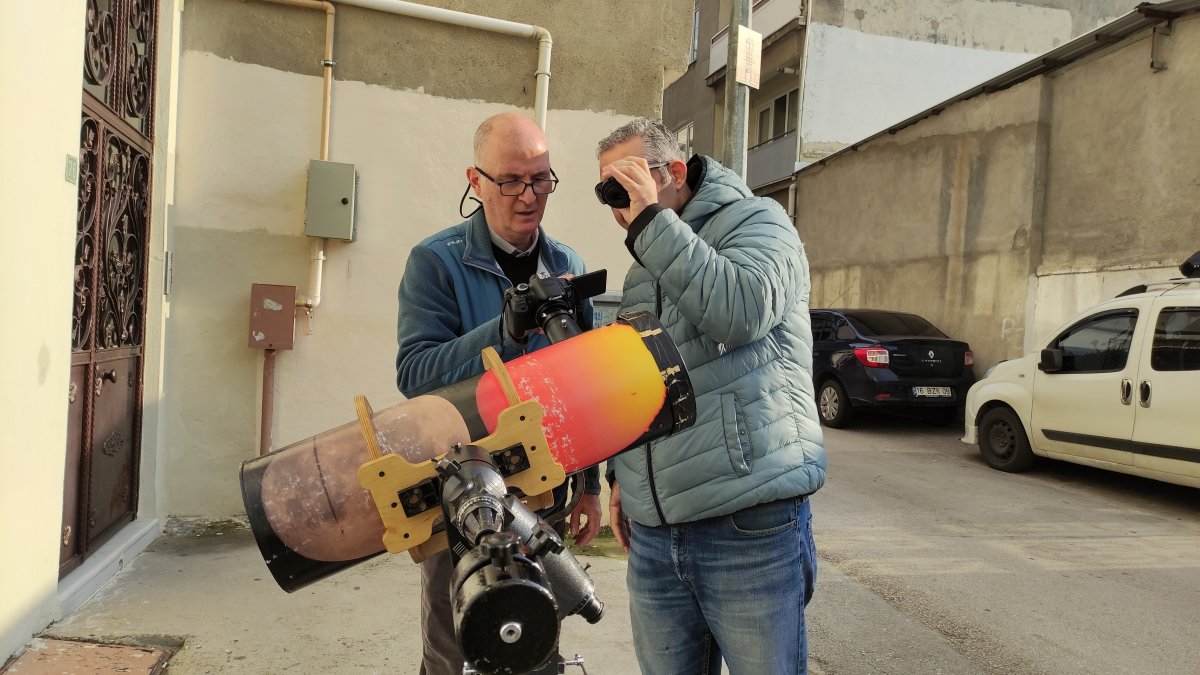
<point>272,316</point>
<point>331,203</point>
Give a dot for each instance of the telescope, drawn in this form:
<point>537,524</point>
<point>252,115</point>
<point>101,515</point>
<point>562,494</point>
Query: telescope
<point>471,467</point>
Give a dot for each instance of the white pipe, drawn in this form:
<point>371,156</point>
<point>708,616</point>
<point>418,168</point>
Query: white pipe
<point>545,42</point>
<point>317,258</point>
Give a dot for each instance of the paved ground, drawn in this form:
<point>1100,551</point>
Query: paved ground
<point>930,563</point>
<point>214,592</point>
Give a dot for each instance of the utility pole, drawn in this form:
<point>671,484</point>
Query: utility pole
<point>737,95</point>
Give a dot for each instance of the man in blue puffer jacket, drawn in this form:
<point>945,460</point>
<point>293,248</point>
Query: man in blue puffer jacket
<point>716,518</point>
<point>450,310</point>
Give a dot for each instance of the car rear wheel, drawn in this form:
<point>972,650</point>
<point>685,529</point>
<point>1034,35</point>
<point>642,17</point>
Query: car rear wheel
<point>833,405</point>
<point>1002,441</point>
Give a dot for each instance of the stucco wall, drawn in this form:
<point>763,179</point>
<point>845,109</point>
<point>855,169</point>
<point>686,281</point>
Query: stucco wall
<point>37,219</point>
<point>1009,25</point>
<point>1007,213</point>
<point>607,55</point>
<point>873,63</point>
<point>246,133</point>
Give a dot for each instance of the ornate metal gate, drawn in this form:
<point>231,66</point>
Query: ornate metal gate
<point>111,251</point>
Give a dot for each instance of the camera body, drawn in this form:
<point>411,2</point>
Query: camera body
<point>552,304</point>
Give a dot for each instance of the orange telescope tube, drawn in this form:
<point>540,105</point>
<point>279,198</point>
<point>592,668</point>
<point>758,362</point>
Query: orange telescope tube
<point>602,392</point>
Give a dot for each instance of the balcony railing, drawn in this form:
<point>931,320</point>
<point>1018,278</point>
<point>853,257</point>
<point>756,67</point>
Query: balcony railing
<point>771,161</point>
<point>766,17</point>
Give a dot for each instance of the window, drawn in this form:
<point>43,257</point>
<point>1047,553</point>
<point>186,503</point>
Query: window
<point>779,117</point>
<point>1098,344</point>
<point>1176,340</point>
<point>887,323</point>
<point>684,137</point>
<point>844,331</point>
<point>822,328</point>
<point>695,34</point>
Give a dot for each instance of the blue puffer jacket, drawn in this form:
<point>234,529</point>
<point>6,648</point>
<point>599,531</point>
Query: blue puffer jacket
<point>729,280</point>
<point>449,306</point>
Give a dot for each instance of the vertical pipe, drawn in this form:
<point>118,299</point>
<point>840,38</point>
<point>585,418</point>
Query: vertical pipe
<point>268,403</point>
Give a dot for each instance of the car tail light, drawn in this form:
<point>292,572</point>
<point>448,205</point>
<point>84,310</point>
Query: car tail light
<point>968,358</point>
<point>872,357</point>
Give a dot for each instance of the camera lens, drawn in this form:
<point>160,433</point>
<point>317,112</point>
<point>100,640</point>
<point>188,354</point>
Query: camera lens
<point>612,193</point>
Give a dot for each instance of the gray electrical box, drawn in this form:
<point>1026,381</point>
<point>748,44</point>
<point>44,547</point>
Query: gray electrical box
<point>332,200</point>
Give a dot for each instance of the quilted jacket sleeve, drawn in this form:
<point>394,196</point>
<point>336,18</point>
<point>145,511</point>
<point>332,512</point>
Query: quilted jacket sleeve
<point>736,277</point>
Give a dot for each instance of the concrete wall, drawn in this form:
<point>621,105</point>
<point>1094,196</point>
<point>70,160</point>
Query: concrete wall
<point>935,220</point>
<point>40,119</point>
<point>407,98</point>
<point>1007,213</point>
<point>872,63</point>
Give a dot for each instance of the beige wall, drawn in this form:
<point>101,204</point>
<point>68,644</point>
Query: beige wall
<point>607,55</point>
<point>39,113</point>
<point>248,125</point>
<point>1007,213</point>
<point>934,220</point>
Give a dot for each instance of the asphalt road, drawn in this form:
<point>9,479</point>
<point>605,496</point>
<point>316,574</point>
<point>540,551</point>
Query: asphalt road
<point>932,562</point>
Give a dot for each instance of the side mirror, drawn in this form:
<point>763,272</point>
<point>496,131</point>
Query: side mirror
<point>1191,267</point>
<point>1052,361</point>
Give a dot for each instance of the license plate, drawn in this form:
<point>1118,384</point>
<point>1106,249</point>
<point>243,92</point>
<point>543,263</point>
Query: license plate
<point>935,392</point>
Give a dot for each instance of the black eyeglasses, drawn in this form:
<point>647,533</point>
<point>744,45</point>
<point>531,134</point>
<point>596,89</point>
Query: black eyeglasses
<point>611,193</point>
<point>516,188</point>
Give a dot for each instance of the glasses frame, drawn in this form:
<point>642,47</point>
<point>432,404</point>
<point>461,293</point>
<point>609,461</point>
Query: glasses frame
<point>525,185</point>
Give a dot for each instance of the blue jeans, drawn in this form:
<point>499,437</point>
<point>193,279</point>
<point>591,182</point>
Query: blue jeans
<point>731,588</point>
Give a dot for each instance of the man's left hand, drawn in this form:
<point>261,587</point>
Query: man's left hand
<point>587,510</point>
<point>635,175</point>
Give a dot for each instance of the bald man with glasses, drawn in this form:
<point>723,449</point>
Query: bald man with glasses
<point>450,306</point>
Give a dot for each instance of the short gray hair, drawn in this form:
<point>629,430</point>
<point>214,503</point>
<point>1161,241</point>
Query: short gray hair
<point>661,145</point>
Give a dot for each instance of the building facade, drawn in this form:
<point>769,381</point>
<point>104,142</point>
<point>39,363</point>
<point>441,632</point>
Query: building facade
<point>835,71</point>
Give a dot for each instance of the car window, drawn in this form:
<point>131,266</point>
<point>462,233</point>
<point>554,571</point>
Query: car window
<point>888,323</point>
<point>1176,339</point>
<point>821,328</point>
<point>844,331</point>
<point>1099,344</point>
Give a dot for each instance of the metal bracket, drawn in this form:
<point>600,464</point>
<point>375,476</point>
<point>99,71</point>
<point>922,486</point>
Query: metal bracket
<point>395,483</point>
<point>1161,31</point>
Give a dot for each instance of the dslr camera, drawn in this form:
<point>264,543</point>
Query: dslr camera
<point>553,304</point>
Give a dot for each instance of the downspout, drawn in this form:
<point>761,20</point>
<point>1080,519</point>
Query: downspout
<point>542,89</point>
<point>317,247</point>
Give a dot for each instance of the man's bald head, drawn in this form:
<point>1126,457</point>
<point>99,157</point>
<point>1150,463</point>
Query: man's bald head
<point>512,131</point>
<point>511,149</point>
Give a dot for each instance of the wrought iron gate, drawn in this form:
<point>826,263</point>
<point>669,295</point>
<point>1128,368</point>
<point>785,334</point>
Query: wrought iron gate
<point>111,252</point>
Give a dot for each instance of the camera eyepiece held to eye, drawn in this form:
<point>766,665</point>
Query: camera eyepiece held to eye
<point>611,193</point>
<point>552,304</point>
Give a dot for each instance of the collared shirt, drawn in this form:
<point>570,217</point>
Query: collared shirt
<point>508,248</point>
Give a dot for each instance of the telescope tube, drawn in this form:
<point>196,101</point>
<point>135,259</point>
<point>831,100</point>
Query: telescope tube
<point>603,392</point>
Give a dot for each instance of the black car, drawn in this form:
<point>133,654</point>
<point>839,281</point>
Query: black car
<point>876,358</point>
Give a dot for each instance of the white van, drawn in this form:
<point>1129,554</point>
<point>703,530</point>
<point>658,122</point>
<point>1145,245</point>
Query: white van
<point>1116,387</point>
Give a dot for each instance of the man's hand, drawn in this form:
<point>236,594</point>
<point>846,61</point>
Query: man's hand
<point>588,509</point>
<point>635,175</point>
<point>617,519</point>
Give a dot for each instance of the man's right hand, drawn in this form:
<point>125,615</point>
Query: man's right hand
<point>617,519</point>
